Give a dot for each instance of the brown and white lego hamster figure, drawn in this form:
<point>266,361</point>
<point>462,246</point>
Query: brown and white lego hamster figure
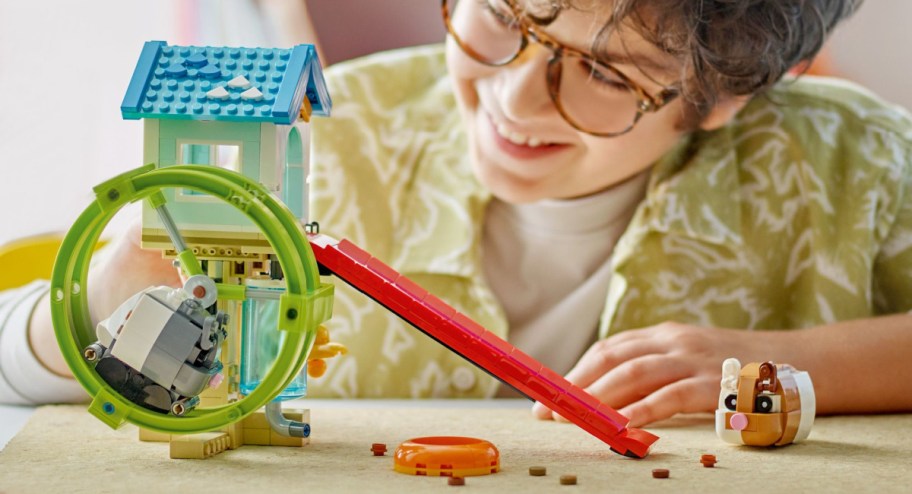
<point>764,404</point>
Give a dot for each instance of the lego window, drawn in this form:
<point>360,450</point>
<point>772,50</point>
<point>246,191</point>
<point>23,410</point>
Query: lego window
<point>226,156</point>
<point>222,155</point>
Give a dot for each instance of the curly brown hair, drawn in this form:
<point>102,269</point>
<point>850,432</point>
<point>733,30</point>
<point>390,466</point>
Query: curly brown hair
<point>725,47</point>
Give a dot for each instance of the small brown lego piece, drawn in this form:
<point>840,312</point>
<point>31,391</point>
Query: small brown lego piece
<point>708,461</point>
<point>538,471</point>
<point>456,481</point>
<point>568,479</point>
<point>379,449</point>
<point>660,473</point>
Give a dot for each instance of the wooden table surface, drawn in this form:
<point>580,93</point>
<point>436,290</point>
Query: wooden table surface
<point>64,449</point>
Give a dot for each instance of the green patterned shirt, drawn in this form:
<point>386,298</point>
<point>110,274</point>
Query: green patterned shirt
<point>795,214</point>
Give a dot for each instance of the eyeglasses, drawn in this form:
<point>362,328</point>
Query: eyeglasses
<point>592,96</point>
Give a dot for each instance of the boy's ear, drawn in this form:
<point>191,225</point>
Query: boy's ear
<point>724,111</point>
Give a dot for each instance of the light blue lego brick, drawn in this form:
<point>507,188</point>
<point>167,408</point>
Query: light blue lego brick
<point>293,195</point>
<point>250,160</point>
<point>175,83</point>
<point>188,130</point>
<point>167,152</point>
<point>141,76</point>
<point>291,94</point>
<point>317,93</point>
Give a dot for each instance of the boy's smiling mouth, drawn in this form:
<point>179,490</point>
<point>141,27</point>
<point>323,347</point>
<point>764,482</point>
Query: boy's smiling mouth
<point>518,144</point>
<point>518,138</point>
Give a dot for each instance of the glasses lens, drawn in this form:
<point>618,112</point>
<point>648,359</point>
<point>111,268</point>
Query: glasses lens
<point>594,97</point>
<point>487,30</point>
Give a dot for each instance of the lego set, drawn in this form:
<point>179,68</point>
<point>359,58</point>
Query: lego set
<point>225,195</point>
<point>764,404</point>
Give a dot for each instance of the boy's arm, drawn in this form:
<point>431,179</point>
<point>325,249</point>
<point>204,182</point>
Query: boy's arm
<point>856,366</point>
<point>23,379</point>
<point>118,271</point>
<point>652,373</point>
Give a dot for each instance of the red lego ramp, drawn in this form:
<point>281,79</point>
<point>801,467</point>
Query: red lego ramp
<point>481,347</point>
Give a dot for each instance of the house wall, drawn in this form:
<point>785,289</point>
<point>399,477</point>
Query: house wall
<point>203,213</point>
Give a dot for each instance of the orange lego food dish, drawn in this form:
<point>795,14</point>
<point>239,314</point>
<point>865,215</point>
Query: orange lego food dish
<point>447,456</point>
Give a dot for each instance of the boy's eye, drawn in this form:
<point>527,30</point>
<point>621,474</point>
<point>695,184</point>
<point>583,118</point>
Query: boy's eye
<point>602,77</point>
<point>500,13</point>
<point>731,402</point>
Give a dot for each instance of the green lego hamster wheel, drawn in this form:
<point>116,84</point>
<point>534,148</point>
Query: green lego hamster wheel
<point>304,305</point>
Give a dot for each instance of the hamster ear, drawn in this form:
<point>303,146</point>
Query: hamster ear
<point>731,367</point>
<point>725,110</point>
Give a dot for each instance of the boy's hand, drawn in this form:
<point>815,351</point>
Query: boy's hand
<point>652,373</point>
<point>118,271</point>
<point>122,269</point>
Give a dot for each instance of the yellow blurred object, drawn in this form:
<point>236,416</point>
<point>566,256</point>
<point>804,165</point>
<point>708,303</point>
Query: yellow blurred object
<point>28,259</point>
<point>31,258</point>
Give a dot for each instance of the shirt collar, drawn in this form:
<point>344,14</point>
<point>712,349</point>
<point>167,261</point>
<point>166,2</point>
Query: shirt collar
<point>694,190</point>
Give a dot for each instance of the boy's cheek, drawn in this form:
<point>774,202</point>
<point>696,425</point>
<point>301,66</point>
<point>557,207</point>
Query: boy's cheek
<point>462,67</point>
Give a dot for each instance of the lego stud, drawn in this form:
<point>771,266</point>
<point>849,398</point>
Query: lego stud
<point>455,481</point>
<point>93,352</point>
<point>538,471</point>
<point>708,461</point>
<point>379,449</point>
<point>738,422</point>
<point>660,473</point>
<point>202,288</point>
<point>216,380</point>
<point>568,480</point>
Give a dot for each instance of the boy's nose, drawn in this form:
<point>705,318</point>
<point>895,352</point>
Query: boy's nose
<point>523,88</point>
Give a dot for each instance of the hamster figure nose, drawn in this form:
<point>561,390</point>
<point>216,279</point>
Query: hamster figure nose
<point>738,422</point>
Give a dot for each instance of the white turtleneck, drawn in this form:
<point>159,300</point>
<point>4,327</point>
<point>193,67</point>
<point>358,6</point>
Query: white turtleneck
<point>549,264</point>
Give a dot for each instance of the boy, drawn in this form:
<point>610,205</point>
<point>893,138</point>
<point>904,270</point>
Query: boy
<point>625,193</point>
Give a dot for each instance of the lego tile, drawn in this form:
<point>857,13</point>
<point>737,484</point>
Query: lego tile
<point>354,252</point>
<point>141,77</point>
<point>257,437</point>
<point>612,415</point>
<point>584,397</point>
<point>571,406</point>
<point>388,273</point>
<point>276,439</point>
<point>199,446</point>
<point>269,172</point>
<point>411,287</point>
<point>256,420</point>
<point>444,309</point>
<point>153,436</point>
<point>236,435</point>
<point>468,324</point>
<point>150,140</point>
<point>396,299</point>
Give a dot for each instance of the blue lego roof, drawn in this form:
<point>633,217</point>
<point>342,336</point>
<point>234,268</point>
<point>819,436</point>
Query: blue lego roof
<point>226,84</point>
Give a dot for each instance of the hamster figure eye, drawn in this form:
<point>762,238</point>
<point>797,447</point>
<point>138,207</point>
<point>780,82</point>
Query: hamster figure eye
<point>731,402</point>
<point>767,403</point>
